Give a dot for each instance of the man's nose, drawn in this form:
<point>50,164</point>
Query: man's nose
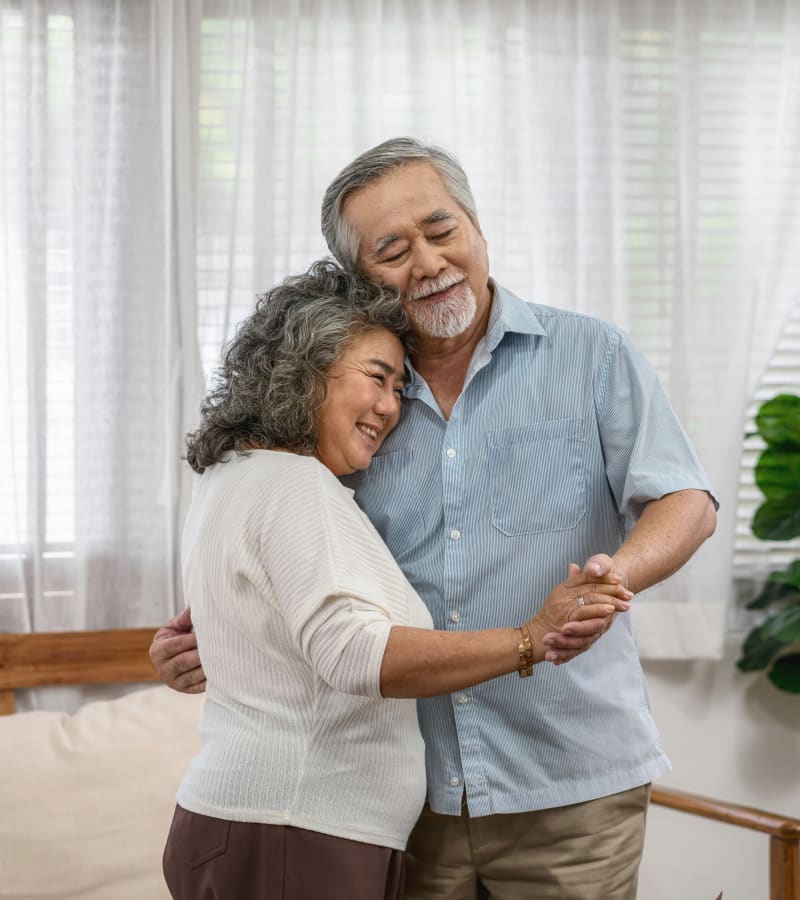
<point>427,262</point>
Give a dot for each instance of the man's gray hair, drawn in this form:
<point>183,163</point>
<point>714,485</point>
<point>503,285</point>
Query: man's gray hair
<point>271,382</point>
<point>372,165</point>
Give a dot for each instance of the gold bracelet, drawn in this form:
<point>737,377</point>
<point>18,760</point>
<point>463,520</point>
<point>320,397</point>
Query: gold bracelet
<point>525,656</point>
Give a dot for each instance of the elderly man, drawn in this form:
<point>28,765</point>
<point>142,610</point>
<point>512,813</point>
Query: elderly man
<point>530,436</point>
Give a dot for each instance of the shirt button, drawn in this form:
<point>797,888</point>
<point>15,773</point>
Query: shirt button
<point>455,615</point>
<point>462,698</point>
<point>455,534</point>
<point>450,453</point>
<point>455,781</point>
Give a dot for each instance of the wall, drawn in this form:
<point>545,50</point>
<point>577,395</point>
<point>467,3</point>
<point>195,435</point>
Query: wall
<point>729,736</point>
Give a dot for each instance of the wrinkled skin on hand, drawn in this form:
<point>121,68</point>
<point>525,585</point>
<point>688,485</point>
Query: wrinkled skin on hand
<point>175,657</point>
<point>562,629</point>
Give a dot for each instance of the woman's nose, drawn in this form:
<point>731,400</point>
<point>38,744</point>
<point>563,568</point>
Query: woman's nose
<point>388,402</point>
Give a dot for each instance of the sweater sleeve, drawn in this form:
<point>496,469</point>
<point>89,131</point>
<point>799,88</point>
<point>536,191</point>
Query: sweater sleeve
<point>335,583</point>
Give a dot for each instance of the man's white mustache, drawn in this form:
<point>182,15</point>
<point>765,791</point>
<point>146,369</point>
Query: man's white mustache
<point>442,283</point>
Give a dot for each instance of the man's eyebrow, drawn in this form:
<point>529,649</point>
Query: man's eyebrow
<point>382,243</point>
<point>438,215</point>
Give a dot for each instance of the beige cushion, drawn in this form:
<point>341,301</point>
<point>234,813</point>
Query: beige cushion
<point>86,800</point>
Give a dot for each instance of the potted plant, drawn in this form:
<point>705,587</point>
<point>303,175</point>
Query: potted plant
<point>774,644</point>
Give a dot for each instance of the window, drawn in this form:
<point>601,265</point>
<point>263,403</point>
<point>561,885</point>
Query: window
<point>163,162</point>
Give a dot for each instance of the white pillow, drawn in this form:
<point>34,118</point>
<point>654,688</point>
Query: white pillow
<point>86,800</point>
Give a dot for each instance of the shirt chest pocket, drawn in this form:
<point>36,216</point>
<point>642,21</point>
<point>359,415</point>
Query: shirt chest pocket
<point>537,474</point>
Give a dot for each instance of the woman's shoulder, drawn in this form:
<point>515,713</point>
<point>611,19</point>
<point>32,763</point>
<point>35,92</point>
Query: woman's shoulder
<point>281,474</point>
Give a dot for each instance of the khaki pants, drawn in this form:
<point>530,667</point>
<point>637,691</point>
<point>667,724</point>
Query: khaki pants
<point>587,851</point>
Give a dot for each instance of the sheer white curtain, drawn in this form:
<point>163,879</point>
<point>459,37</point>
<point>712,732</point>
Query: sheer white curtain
<point>163,162</point>
<point>631,160</point>
<point>93,332</point>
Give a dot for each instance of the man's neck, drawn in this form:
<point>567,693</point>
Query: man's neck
<point>444,362</point>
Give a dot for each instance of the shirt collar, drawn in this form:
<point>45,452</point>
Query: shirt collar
<point>508,313</point>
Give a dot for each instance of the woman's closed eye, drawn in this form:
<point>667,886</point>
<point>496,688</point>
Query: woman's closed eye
<point>380,378</point>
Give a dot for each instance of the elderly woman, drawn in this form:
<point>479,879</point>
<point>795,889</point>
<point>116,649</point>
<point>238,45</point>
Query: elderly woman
<point>309,779</point>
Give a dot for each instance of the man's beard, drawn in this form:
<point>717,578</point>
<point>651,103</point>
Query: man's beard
<point>448,318</point>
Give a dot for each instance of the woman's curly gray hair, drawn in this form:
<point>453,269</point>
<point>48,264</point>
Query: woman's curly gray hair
<point>272,379</point>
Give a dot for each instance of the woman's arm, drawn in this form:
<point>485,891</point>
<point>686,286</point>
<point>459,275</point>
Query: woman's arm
<point>422,663</point>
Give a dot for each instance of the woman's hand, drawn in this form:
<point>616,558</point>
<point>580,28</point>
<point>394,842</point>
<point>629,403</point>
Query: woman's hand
<point>575,615</point>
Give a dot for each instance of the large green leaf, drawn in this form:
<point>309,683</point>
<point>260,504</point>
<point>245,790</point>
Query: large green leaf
<point>759,654</point>
<point>785,674</point>
<point>778,473</point>
<point>772,593</point>
<point>789,575</point>
<point>778,520</point>
<point>770,637</point>
<point>778,421</point>
<point>787,625</point>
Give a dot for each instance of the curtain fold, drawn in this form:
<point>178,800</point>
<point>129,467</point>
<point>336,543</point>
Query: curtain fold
<point>163,162</point>
<point>87,162</point>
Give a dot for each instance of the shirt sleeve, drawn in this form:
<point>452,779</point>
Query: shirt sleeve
<point>333,580</point>
<point>647,452</point>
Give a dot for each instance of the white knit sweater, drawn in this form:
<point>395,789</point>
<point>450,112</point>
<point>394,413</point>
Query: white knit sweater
<point>293,595</point>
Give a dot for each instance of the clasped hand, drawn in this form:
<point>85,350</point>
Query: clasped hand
<point>566,627</point>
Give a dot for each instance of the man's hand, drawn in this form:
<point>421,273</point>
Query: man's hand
<point>601,566</point>
<point>668,532</point>
<point>175,656</point>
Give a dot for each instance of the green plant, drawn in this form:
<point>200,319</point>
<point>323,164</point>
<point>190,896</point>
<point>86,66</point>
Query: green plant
<point>774,644</point>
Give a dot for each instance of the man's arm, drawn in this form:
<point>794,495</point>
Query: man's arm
<point>666,535</point>
<point>175,656</point>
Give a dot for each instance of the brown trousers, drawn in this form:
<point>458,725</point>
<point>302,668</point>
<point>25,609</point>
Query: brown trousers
<point>216,859</point>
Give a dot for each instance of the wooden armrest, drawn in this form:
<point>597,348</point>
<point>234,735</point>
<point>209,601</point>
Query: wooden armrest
<point>784,832</point>
<point>783,827</point>
<point>73,657</point>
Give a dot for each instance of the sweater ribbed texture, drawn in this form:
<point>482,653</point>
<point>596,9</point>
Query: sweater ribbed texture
<point>293,595</point>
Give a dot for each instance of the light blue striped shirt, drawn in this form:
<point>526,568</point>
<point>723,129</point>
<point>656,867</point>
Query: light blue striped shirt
<point>560,436</point>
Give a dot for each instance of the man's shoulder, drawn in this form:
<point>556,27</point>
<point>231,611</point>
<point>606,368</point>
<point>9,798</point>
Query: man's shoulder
<point>556,320</point>
<point>552,317</point>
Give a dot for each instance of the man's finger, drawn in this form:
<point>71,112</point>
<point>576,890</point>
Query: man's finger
<point>598,565</point>
<point>576,643</point>
<point>587,627</point>
<point>183,621</point>
<point>164,649</point>
<point>192,681</point>
<point>197,688</point>
<point>179,666</point>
